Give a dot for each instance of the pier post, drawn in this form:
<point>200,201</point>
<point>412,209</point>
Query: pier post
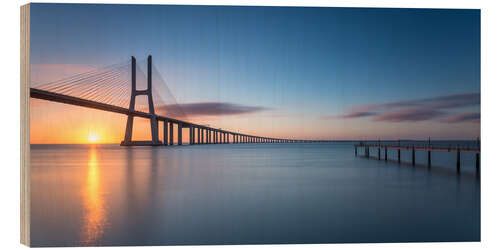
<point>367,151</point>
<point>171,128</point>
<point>477,154</point>
<point>379,152</point>
<point>477,162</point>
<point>355,150</point>
<point>165,133</point>
<point>413,156</point>
<point>385,153</point>
<point>458,160</point>
<point>429,163</point>
<point>179,134</point>
<point>399,155</point>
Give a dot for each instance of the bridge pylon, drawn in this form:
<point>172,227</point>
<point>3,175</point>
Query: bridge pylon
<point>127,141</point>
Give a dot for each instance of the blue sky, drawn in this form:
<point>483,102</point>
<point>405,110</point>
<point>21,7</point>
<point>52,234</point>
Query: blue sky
<point>314,67</point>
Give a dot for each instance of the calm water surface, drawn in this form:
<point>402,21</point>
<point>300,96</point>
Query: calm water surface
<point>246,194</point>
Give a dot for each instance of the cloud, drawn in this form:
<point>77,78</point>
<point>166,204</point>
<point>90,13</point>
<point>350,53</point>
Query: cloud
<point>464,117</point>
<point>440,102</point>
<point>417,110</point>
<point>349,115</point>
<point>358,114</point>
<point>212,108</point>
<point>409,115</point>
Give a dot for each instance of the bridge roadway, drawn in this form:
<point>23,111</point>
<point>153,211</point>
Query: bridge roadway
<point>206,135</point>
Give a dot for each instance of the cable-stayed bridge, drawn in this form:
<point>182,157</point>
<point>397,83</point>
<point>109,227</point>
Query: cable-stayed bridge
<point>115,88</point>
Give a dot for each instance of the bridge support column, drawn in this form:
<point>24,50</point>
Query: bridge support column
<point>191,135</point>
<point>203,137</point>
<point>179,134</point>
<point>127,141</point>
<point>171,128</point>
<point>199,138</point>
<point>165,133</point>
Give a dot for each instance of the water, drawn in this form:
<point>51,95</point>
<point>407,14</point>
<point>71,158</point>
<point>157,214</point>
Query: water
<point>245,194</point>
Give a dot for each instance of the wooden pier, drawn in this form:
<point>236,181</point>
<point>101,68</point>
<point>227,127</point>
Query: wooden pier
<point>419,147</point>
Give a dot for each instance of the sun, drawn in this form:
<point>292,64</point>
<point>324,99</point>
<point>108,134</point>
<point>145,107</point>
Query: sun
<point>93,138</point>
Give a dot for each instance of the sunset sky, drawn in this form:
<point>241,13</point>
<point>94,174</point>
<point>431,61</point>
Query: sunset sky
<point>305,73</point>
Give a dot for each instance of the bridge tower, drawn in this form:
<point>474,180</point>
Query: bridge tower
<point>127,141</point>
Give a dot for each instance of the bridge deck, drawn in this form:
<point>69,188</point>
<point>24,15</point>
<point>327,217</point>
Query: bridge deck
<point>61,98</point>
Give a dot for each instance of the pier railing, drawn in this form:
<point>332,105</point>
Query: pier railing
<point>419,146</point>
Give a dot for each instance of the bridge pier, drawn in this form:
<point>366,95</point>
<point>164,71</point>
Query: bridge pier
<point>191,135</point>
<point>179,134</point>
<point>153,120</point>
<point>165,133</point>
<point>199,138</point>
<point>171,128</point>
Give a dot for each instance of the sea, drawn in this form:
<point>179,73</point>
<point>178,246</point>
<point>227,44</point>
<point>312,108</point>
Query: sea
<point>280,193</point>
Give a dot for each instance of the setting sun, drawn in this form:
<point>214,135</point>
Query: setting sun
<point>93,138</point>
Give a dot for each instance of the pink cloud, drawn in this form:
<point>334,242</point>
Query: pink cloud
<point>417,109</point>
<point>464,117</point>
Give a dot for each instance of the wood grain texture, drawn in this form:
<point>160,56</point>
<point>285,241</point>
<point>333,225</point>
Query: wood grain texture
<point>25,124</point>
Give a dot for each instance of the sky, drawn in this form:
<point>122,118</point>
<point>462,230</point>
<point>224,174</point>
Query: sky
<point>302,73</point>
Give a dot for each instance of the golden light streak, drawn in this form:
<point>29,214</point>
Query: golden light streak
<point>95,210</point>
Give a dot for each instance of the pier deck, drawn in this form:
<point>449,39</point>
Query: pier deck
<point>420,147</point>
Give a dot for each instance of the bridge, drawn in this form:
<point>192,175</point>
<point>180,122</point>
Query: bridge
<point>108,89</point>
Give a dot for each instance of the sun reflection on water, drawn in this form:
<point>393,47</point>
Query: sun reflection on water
<point>95,211</point>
